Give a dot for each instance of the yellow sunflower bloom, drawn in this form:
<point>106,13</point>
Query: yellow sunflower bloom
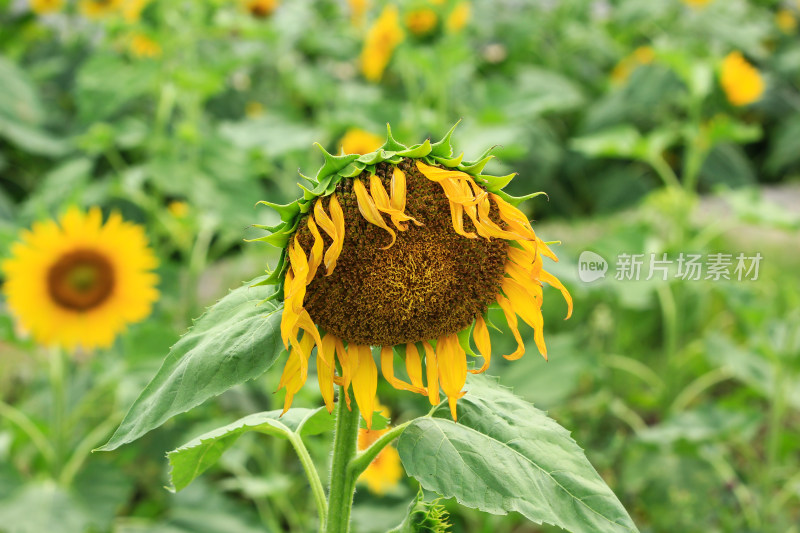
<point>404,249</point>
<point>385,471</point>
<point>358,9</point>
<point>79,282</point>
<point>740,80</point>
<point>356,141</point>
<point>382,38</point>
<point>261,8</point>
<point>786,21</point>
<point>132,9</point>
<point>143,46</point>
<point>421,22</point>
<point>97,9</point>
<point>643,55</point>
<point>697,3</point>
<point>459,17</point>
<point>42,7</point>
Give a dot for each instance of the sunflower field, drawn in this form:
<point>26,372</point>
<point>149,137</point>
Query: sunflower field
<point>365,266</point>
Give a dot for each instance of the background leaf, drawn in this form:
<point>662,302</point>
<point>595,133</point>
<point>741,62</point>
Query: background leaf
<point>505,455</point>
<point>196,456</point>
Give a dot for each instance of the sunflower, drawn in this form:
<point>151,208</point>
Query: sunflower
<point>459,17</point>
<point>142,46</point>
<point>79,282</point>
<point>382,38</point>
<point>740,80</point>
<point>356,141</point>
<point>404,249</point>
<point>384,472</point>
<point>97,9</point>
<point>261,8</point>
<point>421,22</point>
<point>42,7</point>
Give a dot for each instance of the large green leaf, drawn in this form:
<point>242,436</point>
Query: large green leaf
<point>196,456</point>
<point>237,340</point>
<point>505,455</point>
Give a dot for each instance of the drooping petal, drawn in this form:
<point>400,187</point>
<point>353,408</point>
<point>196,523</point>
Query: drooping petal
<point>452,362</point>
<point>348,363</point>
<point>432,370</point>
<point>368,209</point>
<point>387,368</point>
<point>365,381</point>
<point>480,333</point>
<point>384,204</point>
<point>325,356</point>
<point>293,376</point>
<point>547,277</point>
<point>398,200</point>
<point>331,228</point>
<point>511,318</point>
<point>526,302</point>
<point>315,258</point>
<point>414,367</point>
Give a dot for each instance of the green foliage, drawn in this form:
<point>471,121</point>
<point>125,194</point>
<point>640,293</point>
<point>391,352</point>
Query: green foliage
<point>196,456</point>
<point>505,455</point>
<point>237,340</point>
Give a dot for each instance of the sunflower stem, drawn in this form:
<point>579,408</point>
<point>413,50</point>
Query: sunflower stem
<point>58,408</point>
<point>342,482</point>
<point>361,461</point>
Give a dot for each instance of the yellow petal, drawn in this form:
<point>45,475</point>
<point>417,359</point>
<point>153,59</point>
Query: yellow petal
<point>526,302</point>
<point>368,209</point>
<point>365,381</point>
<point>387,368</point>
<point>384,204</point>
<point>433,373</point>
<point>555,282</point>
<point>345,360</point>
<point>511,318</point>
<point>452,362</point>
<point>332,229</point>
<point>316,251</point>
<point>398,200</point>
<point>480,333</point>
<point>414,367</point>
<point>325,356</point>
<point>293,376</point>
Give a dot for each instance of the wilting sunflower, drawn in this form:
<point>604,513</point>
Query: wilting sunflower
<point>79,282</point>
<point>405,249</point>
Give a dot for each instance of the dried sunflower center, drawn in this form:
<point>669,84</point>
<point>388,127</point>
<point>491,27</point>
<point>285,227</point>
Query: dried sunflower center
<point>431,282</point>
<point>80,280</point>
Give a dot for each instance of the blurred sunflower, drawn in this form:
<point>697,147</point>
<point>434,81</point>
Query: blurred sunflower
<point>385,471</point>
<point>643,55</point>
<point>421,22</point>
<point>142,46</point>
<point>132,9</point>
<point>79,282</point>
<point>382,38</point>
<point>740,80</point>
<point>379,253</point>
<point>786,21</point>
<point>358,8</point>
<point>697,3</point>
<point>459,17</point>
<point>42,7</point>
<point>97,9</point>
<point>356,141</point>
<point>261,8</point>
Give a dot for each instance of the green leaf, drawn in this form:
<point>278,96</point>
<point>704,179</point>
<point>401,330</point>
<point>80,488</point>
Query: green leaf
<point>237,340</point>
<point>504,455</point>
<point>196,456</point>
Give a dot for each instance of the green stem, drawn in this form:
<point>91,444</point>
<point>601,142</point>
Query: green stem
<point>58,409</point>
<point>312,475</point>
<point>22,421</point>
<point>84,448</point>
<point>664,172</point>
<point>342,484</point>
<point>363,459</point>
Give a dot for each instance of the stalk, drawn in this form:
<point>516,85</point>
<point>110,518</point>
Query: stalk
<point>342,482</point>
